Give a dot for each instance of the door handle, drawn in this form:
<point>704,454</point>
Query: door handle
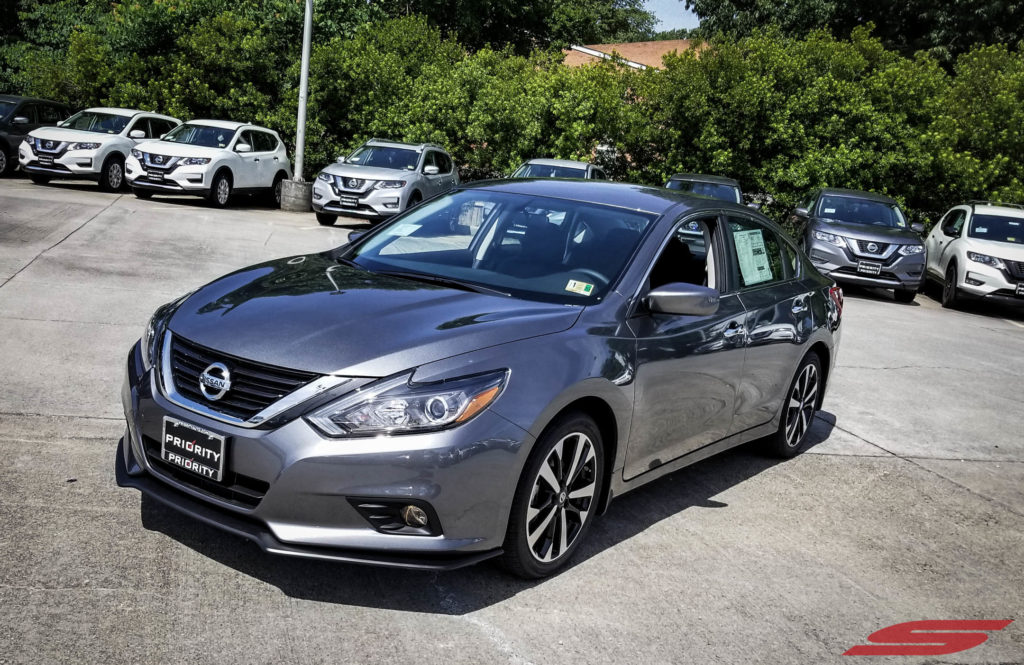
<point>733,330</point>
<point>277,159</point>
<point>256,159</point>
<point>799,306</point>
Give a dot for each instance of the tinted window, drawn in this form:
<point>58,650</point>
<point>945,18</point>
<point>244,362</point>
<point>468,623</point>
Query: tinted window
<point>953,222</point>
<point>685,257</point>
<point>430,160</point>
<point>29,111</point>
<point>101,123</point>
<point>385,157</point>
<point>204,135</point>
<point>598,174</point>
<point>443,161</point>
<point>547,171</point>
<point>710,190</point>
<point>5,108</point>
<point>536,248</point>
<point>759,254</point>
<point>861,211</point>
<point>142,125</point>
<point>997,228</point>
<point>50,114</point>
<point>160,127</point>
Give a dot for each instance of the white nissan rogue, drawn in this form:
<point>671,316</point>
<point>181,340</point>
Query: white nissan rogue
<point>210,158</point>
<point>977,250</point>
<point>92,144</point>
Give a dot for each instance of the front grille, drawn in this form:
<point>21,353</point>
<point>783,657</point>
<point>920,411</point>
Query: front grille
<point>237,488</point>
<point>49,147</point>
<point>1016,269</point>
<point>254,386</point>
<point>159,162</point>
<point>862,245</point>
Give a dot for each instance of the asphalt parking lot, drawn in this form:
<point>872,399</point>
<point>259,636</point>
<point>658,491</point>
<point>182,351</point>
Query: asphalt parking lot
<point>909,506</point>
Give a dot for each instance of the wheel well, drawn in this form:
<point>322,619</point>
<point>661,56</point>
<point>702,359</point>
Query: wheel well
<point>227,170</point>
<point>280,175</point>
<point>604,417</point>
<point>825,357</point>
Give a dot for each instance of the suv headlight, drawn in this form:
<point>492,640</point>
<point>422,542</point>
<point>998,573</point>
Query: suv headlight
<point>83,146</point>
<point>136,153</point>
<point>195,161</point>
<point>398,406</point>
<point>986,259</point>
<point>838,241</point>
<point>326,177</point>
<point>390,184</point>
<point>910,250</point>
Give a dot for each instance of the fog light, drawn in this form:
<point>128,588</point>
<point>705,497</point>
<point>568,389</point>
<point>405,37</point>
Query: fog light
<point>390,203</point>
<point>414,516</point>
<point>974,279</point>
<point>84,163</point>
<point>317,195</point>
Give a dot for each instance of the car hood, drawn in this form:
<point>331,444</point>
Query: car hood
<point>1001,250</point>
<point>65,134</point>
<point>866,232</point>
<point>178,149</point>
<point>367,172</point>
<point>312,313</point>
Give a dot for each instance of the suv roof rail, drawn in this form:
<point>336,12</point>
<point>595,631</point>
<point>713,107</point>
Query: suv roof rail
<point>432,145</point>
<point>983,202</point>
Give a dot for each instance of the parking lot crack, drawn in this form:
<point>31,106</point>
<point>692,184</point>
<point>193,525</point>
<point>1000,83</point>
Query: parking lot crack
<point>58,243</point>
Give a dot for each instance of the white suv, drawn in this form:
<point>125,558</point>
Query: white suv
<point>210,158</point>
<point>92,144</point>
<point>977,250</point>
<point>382,178</point>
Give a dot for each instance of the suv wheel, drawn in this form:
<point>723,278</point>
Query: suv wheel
<point>276,190</point>
<point>799,409</point>
<point>905,295</point>
<point>556,500</point>
<point>414,199</point>
<point>325,219</point>
<point>142,193</point>
<point>220,190</point>
<point>39,179</point>
<point>112,174</point>
<point>950,294</point>
<point>5,163</point>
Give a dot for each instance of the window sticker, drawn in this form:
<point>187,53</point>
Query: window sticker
<point>1014,223</point>
<point>830,211</point>
<point>582,288</point>
<point>753,256</point>
<point>982,229</point>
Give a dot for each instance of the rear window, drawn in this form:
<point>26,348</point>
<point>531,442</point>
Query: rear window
<point>710,190</point>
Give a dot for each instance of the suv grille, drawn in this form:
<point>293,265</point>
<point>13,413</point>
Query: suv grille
<point>1016,269</point>
<point>862,245</point>
<point>254,386</point>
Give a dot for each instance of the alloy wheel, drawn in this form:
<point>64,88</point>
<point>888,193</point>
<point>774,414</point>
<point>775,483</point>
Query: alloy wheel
<point>3,162</point>
<point>223,191</point>
<point>802,402</point>
<point>115,176</point>
<point>562,497</point>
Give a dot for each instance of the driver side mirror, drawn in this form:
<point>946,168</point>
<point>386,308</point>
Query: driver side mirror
<point>243,147</point>
<point>19,120</point>
<point>341,160</point>
<point>917,227</point>
<point>431,170</point>
<point>800,212</point>
<point>137,134</point>
<point>683,299</point>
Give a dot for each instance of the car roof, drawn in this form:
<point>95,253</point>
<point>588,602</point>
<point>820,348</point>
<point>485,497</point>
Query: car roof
<point>642,198</point>
<point>701,177</point>
<point>856,193</point>
<point>19,98</point>
<point>400,144</point>
<point>559,162</point>
<point>222,124</point>
<point>1000,209</point>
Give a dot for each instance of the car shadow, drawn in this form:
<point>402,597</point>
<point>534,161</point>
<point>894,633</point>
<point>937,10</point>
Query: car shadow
<point>987,308</point>
<point>469,589</point>
<point>879,294</point>
<point>237,202</point>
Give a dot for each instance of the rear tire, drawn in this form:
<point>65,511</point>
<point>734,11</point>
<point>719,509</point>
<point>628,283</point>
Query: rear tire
<point>220,190</point>
<point>112,174</point>
<point>5,163</point>
<point>275,191</point>
<point>557,498</point>
<point>950,294</point>
<point>799,409</point>
<point>325,219</point>
<point>39,179</point>
<point>142,193</point>
<point>905,295</point>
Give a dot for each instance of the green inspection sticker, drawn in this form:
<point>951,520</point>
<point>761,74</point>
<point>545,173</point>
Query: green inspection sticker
<point>581,288</point>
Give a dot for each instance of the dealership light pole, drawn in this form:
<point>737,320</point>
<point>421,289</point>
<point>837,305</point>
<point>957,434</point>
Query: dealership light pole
<point>296,194</point>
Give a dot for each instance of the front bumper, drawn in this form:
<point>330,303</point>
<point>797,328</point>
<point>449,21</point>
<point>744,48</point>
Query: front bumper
<point>85,164</point>
<point>841,264</point>
<point>373,203</point>
<point>295,486</point>
<point>179,180</point>
<point>979,280</point>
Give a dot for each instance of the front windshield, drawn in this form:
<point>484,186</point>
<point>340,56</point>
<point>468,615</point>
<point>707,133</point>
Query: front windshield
<point>997,228</point>
<point>548,171</point>
<point>101,123</point>
<point>531,247</point>
<point>201,135</point>
<point>385,157</point>
<point>861,211</point>
<point>710,190</point>
<point>5,108</point>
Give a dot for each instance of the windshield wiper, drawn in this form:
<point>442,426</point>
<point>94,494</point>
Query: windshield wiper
<point>441,281</point>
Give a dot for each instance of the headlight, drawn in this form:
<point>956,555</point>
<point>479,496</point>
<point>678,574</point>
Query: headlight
<point>910,250</point>
<point>195,161</point>
<point>83,146</point>
<point>986,259</point>
<point>397,406</point>
<point>137,154</point>
<point>390,184</point>
<point>838,241</point>
<point>153,335</point>
<point>326,177</point>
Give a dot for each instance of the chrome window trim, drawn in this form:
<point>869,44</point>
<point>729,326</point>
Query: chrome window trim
<point>292,399</point>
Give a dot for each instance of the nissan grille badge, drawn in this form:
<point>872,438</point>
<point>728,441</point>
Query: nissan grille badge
<point>354,182</point>
<point>215,381</point>
<point>873,248</point>
<point>49,145</point>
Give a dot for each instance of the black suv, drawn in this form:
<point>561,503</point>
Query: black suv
<point>18,117</point>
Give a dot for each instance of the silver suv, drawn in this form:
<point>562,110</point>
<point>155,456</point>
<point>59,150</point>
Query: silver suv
<point>382,178</point>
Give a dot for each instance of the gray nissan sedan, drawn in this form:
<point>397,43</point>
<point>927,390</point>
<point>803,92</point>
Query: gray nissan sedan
<point>479,376</point>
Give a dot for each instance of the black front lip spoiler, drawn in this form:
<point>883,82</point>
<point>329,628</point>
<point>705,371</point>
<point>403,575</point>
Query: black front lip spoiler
<point>255,532</point>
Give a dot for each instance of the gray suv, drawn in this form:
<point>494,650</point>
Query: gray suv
<point>382,178</point>
<point>862,238</point>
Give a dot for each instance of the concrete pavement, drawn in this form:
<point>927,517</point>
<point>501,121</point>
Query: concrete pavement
<point>910,505</point>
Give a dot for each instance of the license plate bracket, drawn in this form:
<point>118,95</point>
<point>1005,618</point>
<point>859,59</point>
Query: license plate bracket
<point>869,268</point>
<point>193,448</point>
<point>46,160</point>
<point>153,175</point>
<point>349,201</point>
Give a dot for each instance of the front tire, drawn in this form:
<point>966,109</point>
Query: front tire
<point>325,219</point>
<point>112,174</point>
<point>142,193</point>
<point>950,293</point>
<point>557,498</point>
<point>905,295</point>
<point>39,179</point>
<point>275,191</point>
<point>799,409</point>
<point>220,191</point>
